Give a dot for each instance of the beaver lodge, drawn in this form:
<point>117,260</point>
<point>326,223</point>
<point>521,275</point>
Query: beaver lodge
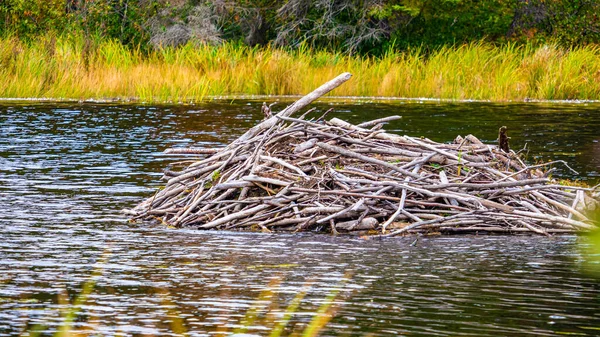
<point>295,174</point>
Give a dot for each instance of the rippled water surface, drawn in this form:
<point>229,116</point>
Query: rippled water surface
<point>66,170</point>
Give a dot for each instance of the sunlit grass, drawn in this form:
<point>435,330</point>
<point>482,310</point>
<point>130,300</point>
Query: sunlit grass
<point>91,68</point>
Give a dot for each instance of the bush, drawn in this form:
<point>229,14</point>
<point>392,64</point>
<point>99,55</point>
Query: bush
<point>123,20</point>
<point>27,18</point>
<point>363,26</point>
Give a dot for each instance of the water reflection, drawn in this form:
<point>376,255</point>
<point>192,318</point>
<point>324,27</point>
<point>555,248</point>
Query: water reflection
<point>67,169</point>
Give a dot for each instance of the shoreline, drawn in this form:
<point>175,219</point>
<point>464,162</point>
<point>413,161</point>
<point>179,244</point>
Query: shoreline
<point>285,98</point>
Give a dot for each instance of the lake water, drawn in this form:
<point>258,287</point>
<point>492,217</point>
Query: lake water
<point>67,169</point>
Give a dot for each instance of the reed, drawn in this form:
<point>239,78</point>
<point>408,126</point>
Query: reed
<point>76,67</point>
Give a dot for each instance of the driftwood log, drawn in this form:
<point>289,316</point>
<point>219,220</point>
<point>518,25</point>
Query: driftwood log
<point>296,174</point>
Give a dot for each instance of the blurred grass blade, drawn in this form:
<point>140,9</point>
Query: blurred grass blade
<point>325,312</point>
<point>289,311</point>
<point>176,323</point>
<point>66,327</point>
<point>264,298</point>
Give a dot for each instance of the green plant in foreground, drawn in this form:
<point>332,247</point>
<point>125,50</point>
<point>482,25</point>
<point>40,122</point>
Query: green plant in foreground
<point>324,313</point>
<point>72,310</point>
<point>590,248</point>
<point>263,312</point>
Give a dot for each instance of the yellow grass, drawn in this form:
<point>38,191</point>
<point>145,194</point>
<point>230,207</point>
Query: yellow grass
<point>73,68</point>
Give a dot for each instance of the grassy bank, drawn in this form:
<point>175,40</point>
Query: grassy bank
<point>76,68</point>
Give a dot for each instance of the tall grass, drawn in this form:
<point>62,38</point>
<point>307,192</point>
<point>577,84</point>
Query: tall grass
<point>79,68</point>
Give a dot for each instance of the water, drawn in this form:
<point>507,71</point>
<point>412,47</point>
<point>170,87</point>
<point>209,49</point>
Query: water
<point>67,169</point>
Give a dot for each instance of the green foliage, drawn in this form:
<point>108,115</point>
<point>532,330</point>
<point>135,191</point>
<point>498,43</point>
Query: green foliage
<point>123,20</point>
<point>434,23</point>
<point>117,19</point>
<point>26,18</point>
<point>215,175</point>
<point>250,21</point>
<point>574,22</point>
<point>367,27</point>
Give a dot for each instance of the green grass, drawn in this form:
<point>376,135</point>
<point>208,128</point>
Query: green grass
<point>76,68</point>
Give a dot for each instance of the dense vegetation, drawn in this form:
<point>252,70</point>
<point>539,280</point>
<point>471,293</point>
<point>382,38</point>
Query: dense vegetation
<point>74,68</point>
<point>366,26</point>
<point>189,49</point>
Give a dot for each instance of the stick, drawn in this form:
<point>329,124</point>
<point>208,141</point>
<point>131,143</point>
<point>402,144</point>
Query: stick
<point>352,154</point>
<point>296,106</point>
<point>377,121</point>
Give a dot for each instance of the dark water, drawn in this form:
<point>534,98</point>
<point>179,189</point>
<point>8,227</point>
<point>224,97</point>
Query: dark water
<point>67,169</point>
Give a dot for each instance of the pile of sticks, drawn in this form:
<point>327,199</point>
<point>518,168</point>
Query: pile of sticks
<point>295,174</point>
